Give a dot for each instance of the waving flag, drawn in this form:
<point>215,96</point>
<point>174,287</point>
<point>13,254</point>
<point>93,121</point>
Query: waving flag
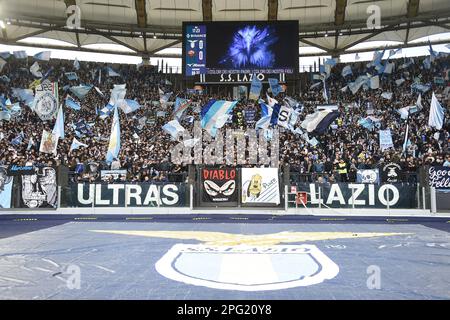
<point>387,95</point>
<point>76,145</point>
<point>117,93</point>
<point>71,75</point>
<point>214,113</point>
<point>265,109</point>
<point>112,73</point>
<point>271,101</point>
<point>436,117</point>
<point>58,129</point>
<point>43,56</point>
<point>18,140</point>
<point>2,64</point>
<point>374,82</point>
<point>81,91</point>
<point>76,64</point>
<point>114,140</point>
<point>24,95</point>
<point>388,67</point>
<point>72,104</point>
<point>34,69</point>
<point>275,86</point>
<point>255,88</point>
<point>5,115</point>
<point>180,106</point>
<point>128,105</point>
<point>5,55</point>
<point>20,54</point>
<point>420,87</point>
<point>173,128</point>
<point>319,121</point>
<point>164,97</point>
<point>346,71</point>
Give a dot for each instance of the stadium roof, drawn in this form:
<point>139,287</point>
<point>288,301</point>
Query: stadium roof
<point>145,27</point>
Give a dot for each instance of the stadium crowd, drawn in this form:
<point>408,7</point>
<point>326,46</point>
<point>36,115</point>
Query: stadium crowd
<point>145,148</point>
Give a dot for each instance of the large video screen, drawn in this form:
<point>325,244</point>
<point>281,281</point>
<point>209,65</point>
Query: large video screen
<point>240,47</point>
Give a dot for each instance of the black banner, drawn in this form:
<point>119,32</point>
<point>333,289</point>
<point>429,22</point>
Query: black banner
<point>15,170</point>
<point>439,177</point>
<point>126,195</point>
<point>218,185</point>
<point>39,190</point>
<point>339,195</point>
<point>392,173</point>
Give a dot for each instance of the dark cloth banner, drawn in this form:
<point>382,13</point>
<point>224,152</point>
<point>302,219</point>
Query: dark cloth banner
<point>439,177</point>
<point>218,185</point>
<point>126,195</point>
<point>339,195</point>
<point>15,170</point>
<point>39,190</point>
<point>392,173</point>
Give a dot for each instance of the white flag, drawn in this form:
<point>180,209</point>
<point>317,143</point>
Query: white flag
<point>436,118</point>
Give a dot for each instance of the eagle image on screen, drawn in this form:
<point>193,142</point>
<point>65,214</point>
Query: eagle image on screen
<point>251,47</point>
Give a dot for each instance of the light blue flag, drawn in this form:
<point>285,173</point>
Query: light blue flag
<point>5,55</point>
<point>346,71</point>
<point>81,91</point>
<point>58,129</point>
<point>427,63</point>
<point>114,140</point>
<point>255,89</point>
<point>265,109</point>
<point>174,128</point>
<point>43,56</point>
<point>420,87</point>
<point>76,64</point>
<point>274,86</point>
<point>24,95</point>
<point>72,104</point>
<point>20,54</point>
<point>128,105</point>
<point>264,122</point>
<point>331,62</point>
<point>179,107</point>
<point>216,115</point>
<point>76,145</point>
<point>112,73</point>
<point>71,75</point>
<point>5,115</point>
<point>366,123</point>
<point>436,118</point>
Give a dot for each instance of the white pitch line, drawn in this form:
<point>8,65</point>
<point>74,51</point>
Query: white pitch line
<point>106,269</point>
<point>51,262</point>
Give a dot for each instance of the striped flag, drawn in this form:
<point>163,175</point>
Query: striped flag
<point>214,113</point>
<point>20,54</point>
<point>114,140</point>
<point>43,56</point>
<point>319,121</point>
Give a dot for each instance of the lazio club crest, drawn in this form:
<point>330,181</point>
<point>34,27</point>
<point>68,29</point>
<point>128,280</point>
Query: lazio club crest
<point>247,262</point>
